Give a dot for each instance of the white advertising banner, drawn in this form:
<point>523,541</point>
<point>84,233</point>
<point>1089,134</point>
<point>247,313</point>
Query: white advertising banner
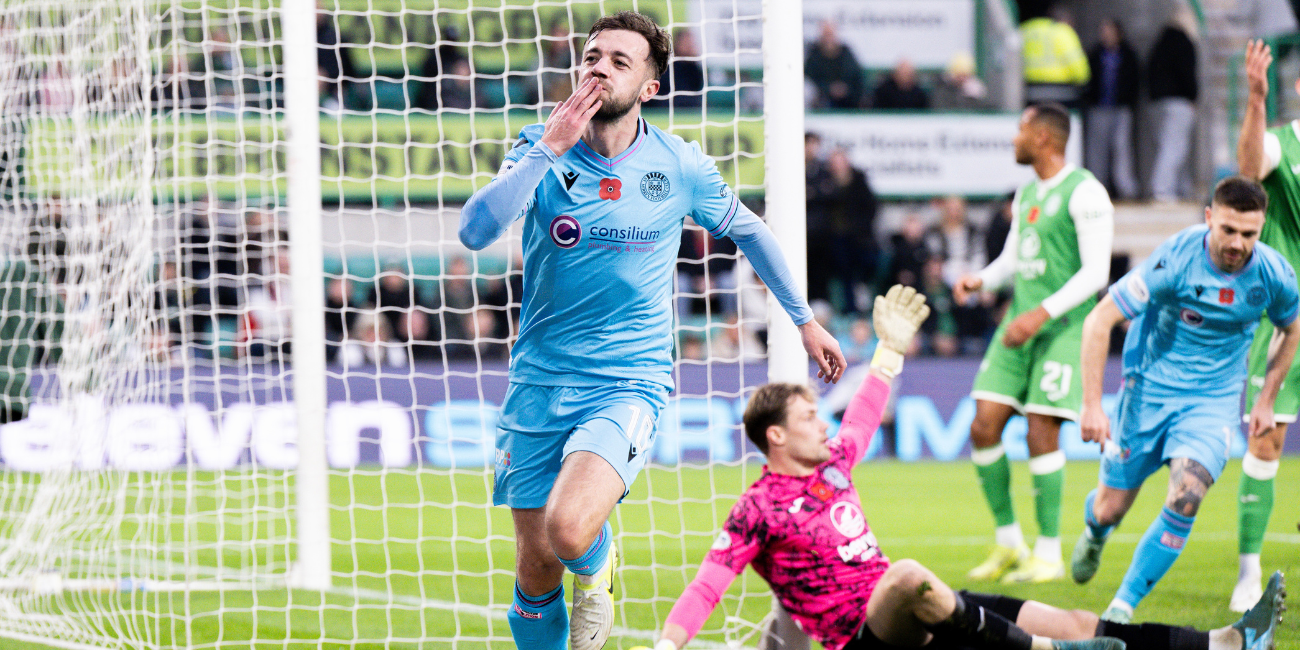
<point>878,32</point>
<point>930,154</point>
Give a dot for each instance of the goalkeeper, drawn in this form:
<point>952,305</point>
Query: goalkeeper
<point>801,526</point>
<point>602,196</point>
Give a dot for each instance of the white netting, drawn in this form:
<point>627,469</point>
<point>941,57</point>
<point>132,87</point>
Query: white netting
<point>142,179</point>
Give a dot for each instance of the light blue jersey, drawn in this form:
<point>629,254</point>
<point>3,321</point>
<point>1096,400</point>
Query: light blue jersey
<point>600,241</point>
<point>1192,323</point>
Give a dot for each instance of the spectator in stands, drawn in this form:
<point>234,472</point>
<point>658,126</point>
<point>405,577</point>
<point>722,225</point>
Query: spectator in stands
<point>47,242</point>
<point>1111,97</point>
<point>860,343</point>
<point>939,331</point>
<point>31,318</point>
<point>177,89</point>
<point>834,71</point>
<point>706,277</point>
<point>458,86</point>
<point>909,254</point>
<point>685,76</point>
<point>444,60</point>
<point>223,66</point>
<point>169,302</point>
<point>900,89</point>
<point>372,343</point>
<point>340,315</point>
<point>959,89</point>
<point>958,246</point>
<point>334,59</point>
<point>1055,65</point>
<point>394,298</point>
<point>459,297</point>
<point>557,58</point>
<point>1172,86</point>
<point>851,245</point>
<point>268,315</point>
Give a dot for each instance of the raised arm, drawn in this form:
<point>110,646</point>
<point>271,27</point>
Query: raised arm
<point>1251,159</point>
<point>1093,423</point>
<point>491,210</point>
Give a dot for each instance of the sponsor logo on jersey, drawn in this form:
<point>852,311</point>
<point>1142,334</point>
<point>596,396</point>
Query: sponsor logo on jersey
<point>569,179</point>
<point>863,548</point>
<point>848,519</point>
<point>1053,204</point>
<point>1226,296</point>
<point>611,189</point>
<point>566,232</point>
<point>722,542</point>
<point>1029,266</point>
<point>503,459</point>
<point>1191,317</point>
<point>1256,296</point>
<point>835,477</point>
<point>655,186</point>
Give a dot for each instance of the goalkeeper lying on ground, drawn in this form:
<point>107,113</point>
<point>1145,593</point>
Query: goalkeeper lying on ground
<point>801,526</point>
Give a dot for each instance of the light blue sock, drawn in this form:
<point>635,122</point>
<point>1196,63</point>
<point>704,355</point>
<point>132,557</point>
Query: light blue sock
<point>1156,552</point>
<point>1095,529</point>
<point>540,623</point>
<point>592,561</point>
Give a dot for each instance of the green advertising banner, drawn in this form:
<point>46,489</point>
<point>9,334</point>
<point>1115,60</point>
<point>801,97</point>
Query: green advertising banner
<point>386,159</point>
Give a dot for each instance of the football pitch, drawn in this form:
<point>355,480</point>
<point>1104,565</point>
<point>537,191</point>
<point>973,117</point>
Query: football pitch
<point>436,563</point>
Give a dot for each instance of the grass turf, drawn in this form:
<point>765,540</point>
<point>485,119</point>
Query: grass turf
<point>428,565</point>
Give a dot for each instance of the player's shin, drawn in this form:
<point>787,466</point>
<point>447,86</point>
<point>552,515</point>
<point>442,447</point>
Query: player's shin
<point>1159,547</point>
<point>1156,636</point>
<point>1255,506</point>
<point>540,622</point>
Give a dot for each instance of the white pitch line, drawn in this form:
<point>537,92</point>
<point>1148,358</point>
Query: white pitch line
<point>1123,538</point>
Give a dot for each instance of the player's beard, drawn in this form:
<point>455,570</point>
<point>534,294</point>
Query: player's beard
<point>614,109</point>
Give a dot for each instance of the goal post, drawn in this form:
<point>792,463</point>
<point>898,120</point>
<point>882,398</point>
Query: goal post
<point>265,376</point>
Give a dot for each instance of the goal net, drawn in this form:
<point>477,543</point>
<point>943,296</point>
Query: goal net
<point>158,450</point>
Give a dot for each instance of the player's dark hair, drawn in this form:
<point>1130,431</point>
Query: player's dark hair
<point>1241,194</point>
<point>1055,117</point>
<point>770,405</point>
<point>660,43</point>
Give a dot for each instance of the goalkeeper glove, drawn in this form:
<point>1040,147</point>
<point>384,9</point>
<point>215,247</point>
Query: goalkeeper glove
<point>896,316</point>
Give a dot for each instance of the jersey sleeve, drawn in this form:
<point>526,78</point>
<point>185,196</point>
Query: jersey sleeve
<point>740,540</point>
<point>1272,153</point>
<point>528,136</point>
<point>1153,278</point>
<point>1003,267</point>
<point>713,204</point>
<point>1282,309</point>
<point>1094,224</point>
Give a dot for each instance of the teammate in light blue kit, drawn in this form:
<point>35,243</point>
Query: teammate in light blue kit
<point>603,196</point>
<point>1195,304</point>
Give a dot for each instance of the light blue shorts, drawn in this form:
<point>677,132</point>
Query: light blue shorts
<point>1150,430</point>
<point>541,425</point>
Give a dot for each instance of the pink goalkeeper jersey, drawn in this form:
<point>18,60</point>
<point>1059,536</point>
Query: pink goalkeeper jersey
<point>807,536</point>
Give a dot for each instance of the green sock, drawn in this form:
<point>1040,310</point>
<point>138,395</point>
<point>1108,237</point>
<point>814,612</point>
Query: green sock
<point>994,471</point>
<point>1048,473</point>
<point>1255,505</point>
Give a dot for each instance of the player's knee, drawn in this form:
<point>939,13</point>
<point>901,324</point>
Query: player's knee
<point>908,577</point>
<point>567,533</point>
<point>984,434</point>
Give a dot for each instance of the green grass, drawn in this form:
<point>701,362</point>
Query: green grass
<point>428,565</point>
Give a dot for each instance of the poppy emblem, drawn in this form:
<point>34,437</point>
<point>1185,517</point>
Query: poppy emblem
<point>611,189</point>
<point>1033,215</point>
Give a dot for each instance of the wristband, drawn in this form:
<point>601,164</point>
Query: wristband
<point>887,361</point>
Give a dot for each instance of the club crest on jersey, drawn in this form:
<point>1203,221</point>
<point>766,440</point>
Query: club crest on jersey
<point>655,186</point>
<point>1256,296</point>
<point>1033,215</point>
<point>565,231</point>
<point>835,477</point>
<point>611,189</point>
<point>848,519</point>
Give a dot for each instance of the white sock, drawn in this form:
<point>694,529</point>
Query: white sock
<point>1122,606</point>
<point>1009,536</point>
<point>1225,638</point>
<point>1048,549</point>
<point>1248,567</point>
